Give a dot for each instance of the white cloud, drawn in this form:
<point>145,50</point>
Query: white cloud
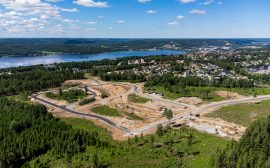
<point>91,29</point>
<point>187,1</point>
<point>32,17</point>
<point>91,23</point>
<point>199,12</point>
<point>54,0</point>
<point>179,19</point>
<point>69,10</point>
<point>32,7</point>
<point>207,2</point>
<point>120,21</point>
<point>174,23</point>
<point>151,12</point>
<point>68,21</point>
<point>144,1</point>
<point>91,3</point>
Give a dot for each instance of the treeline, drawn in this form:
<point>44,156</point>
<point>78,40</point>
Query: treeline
<point>27,131</point>
<point>34,79</point>
<point>123,77</point>
<point>92,46</point>
<point>252,151</point>
<point>173,83</point>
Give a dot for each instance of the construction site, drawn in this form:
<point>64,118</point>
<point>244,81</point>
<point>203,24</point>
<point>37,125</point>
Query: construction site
<point>136,118</point>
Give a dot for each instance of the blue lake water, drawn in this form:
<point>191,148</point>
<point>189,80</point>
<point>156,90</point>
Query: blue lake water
<point>15,61</point>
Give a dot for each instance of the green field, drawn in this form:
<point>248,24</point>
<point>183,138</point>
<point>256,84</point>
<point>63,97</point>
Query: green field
<point>243,114</point>
<point>212,97</point>
<point>22,97</point>
<point>137,99</point>
<point>69,96</point>
<point>173,149</point>
<point>188,92</point>
<point>106,110</point>
<point>87,101</point>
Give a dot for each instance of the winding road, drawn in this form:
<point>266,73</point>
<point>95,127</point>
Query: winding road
<point>138,131</point>
<point>63,108</point>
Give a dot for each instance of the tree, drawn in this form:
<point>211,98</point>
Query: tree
<point>95,161</point>
<point>254,94</point>
<point>160,130</point>
<point>152,140</point>
<point>190,139</point>
<point>136,139</point>
<point>60,92</point>
<point>168,114</point>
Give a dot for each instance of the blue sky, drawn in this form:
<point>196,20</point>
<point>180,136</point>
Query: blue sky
<point>135,18</point>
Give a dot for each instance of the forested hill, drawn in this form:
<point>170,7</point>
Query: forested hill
<point>31,79</point>
<point>27,131</point>
<point>33,47</point>
<point>252,151</point>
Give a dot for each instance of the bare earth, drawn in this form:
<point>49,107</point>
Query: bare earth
<point>185,109</point>
<point>229,95</point>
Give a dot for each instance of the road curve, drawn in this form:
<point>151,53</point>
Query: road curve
<point>107,121</point>
<point>225,103</point>
<point>193,110</point>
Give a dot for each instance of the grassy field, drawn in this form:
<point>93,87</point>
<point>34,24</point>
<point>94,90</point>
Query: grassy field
<point>243,114</point>
<point>87,126</point>
<point>189,92</point>
<point>22,97</point>
<point>173,149</point>
<point>132,116</point>
<point>198,92</point>
<point>69,96</point>
<point>137,99</point>
<point>106,110</point>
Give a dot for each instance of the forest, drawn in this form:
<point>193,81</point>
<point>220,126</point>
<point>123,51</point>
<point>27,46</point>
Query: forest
<point>175,84</point>
<point>34,79</point>
<point>252,151</point>
<point>32,47</point>
<point>28,130</point>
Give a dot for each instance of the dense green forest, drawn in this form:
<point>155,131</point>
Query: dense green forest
<point>28,130</point>
<point>176,84</point>
<point>252,151</point>
<point>34,79</point>
<point>33,47</point>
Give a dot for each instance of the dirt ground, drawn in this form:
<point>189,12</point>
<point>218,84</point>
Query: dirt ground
<point>190,100</point>
<point>151,111</point>
<point>229,95</point>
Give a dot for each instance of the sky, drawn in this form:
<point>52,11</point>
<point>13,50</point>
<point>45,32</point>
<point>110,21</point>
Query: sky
<point>135,18</point>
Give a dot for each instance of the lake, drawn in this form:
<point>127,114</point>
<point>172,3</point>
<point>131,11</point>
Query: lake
<point>15,61</point>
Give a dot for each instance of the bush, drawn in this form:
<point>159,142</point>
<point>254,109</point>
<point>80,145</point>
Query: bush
<point>87,101</point>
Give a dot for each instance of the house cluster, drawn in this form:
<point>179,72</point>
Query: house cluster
<point>6,73</point>
<point>264,69</point>
<point>136,61</point>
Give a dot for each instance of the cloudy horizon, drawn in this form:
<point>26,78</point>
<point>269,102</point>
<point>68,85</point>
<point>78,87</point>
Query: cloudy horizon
<point>135,18</point>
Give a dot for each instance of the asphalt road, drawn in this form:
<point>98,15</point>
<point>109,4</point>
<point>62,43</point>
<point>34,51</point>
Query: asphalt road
<point>193,110</point>
<point>109,122</point>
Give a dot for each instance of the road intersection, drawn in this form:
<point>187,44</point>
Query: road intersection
<point>193,111</point>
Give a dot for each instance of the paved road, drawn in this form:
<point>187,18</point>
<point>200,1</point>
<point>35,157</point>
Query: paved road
<point>198,110</point>
<point>225,103</point>
<point>109,122</point>
<point>181,117</point>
